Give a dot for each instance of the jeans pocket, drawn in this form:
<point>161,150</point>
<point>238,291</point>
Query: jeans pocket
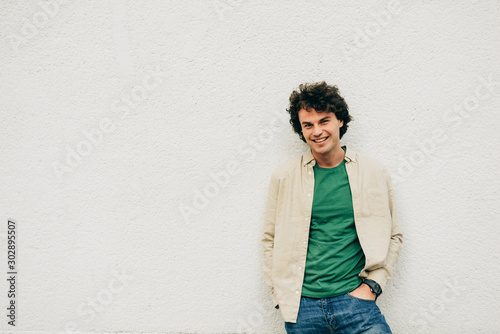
<point>360,299</point>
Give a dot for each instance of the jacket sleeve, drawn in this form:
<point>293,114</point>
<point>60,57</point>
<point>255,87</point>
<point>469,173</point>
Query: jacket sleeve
<point>268,236</point>
<point>381,275</point>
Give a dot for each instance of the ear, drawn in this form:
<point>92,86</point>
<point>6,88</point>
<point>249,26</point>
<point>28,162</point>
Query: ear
<point>341,124</point>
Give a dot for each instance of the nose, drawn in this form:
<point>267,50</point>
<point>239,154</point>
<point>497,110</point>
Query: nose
<point>317,130</point>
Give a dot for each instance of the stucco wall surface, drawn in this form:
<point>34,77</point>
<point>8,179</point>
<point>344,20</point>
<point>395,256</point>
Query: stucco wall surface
<point>138,139</point>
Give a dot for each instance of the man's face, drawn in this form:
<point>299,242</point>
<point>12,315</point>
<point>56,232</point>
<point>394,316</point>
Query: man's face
<point>321,131</point>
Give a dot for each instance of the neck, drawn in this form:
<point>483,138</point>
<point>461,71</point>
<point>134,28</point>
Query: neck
<point>330,160</point>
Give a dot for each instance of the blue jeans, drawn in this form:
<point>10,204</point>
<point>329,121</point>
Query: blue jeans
<point>344,314</point>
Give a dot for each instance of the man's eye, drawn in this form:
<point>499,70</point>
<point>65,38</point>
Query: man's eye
<point>307,125</point>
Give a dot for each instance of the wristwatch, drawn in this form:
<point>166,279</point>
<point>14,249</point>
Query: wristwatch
<point>374,286</point>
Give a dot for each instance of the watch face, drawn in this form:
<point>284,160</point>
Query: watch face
<point>374,286</point>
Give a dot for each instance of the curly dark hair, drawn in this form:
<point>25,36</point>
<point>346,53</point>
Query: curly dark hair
<point>320,97</point>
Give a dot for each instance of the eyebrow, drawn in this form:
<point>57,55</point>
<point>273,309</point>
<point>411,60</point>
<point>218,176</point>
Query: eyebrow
<point>324,118</point>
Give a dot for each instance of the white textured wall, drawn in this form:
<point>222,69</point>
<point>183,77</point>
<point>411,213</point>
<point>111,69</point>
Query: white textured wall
<point>176,92</point>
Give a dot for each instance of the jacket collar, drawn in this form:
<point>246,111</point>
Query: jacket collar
<point>308,158</point>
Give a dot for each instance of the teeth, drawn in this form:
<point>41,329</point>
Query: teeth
<point>319,140</point>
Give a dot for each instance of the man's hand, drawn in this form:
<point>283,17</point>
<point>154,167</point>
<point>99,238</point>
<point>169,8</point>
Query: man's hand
<point>364,292</point>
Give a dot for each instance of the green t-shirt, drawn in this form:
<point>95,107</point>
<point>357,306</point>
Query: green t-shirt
<point>334,254</point>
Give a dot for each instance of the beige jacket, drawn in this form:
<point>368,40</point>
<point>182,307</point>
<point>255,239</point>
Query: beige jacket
<point>288,215</point>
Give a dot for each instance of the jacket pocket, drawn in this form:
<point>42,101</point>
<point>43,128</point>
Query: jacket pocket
<point>377,201</point>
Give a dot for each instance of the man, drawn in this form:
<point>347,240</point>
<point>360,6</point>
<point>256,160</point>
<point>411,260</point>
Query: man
<point>331,233</point>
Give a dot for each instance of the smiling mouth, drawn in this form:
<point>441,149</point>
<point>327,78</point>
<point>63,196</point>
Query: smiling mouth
<point>320,140</point>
